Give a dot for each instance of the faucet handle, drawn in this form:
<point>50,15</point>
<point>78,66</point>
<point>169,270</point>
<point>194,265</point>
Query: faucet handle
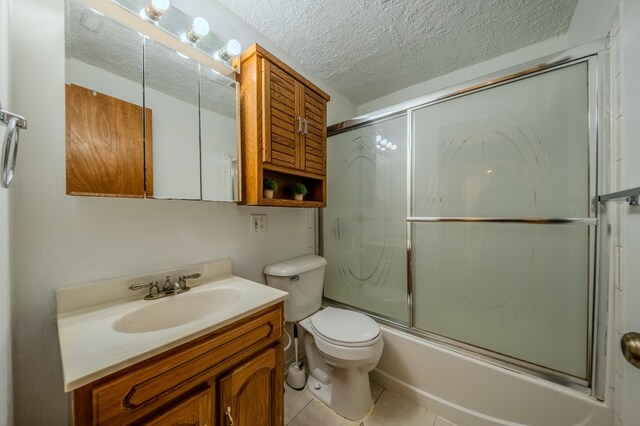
<point>154,289</point>
<point>182,280</point>
<point>138,286</point>
<point>189,277</point>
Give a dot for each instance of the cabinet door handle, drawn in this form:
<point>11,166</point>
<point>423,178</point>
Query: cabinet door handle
<point>306,126</point>
<point>300,121</point>
<point>229,418</point>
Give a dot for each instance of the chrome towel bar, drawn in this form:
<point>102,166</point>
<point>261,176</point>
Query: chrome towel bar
<point>590,221</point>
<point>9,151</point>
<point>631,195</point>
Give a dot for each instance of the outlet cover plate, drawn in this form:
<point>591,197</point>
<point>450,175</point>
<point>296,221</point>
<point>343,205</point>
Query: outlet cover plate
<point>258,223</point>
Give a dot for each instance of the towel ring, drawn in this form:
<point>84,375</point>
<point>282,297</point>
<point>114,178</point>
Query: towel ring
<point>11,138</point>
<point>10,145</point>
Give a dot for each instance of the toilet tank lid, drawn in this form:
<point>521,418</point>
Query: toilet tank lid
<point>295,266</point>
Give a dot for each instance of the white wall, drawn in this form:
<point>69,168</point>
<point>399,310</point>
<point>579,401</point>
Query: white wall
<point>591,21</point>
<point>626,155</point>
<point>5,295</point>
<point>59,240</point>
<point>517,57</point>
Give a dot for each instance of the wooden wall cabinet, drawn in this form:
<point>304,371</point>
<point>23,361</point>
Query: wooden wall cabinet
<point>107,151</point>
<point>235,373</point>
<point>283,131</point>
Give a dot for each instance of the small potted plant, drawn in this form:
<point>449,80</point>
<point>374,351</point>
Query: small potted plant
<point>269,185</point>
<point>299,191</point>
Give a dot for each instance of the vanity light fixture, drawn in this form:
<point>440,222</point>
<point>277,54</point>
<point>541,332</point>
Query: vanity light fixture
<point>228,51</point>
<point>198,29</point>
<point>154,9</point>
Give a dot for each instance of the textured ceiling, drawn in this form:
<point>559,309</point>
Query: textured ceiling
<point>369,48</point>
<point>100,42</point>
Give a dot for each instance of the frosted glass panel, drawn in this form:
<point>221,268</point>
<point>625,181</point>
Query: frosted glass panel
<point>364,222</point>
<point>516,150</point>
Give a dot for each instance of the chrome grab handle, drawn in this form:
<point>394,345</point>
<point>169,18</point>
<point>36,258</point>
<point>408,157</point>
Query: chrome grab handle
<point>229,418</point>
<point>300,120</point>
<point>590,221</point>
<point>630,345</point>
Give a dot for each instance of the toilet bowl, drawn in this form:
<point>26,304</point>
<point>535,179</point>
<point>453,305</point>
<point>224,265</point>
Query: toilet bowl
<point>341,346</point>
<point>340,357</point>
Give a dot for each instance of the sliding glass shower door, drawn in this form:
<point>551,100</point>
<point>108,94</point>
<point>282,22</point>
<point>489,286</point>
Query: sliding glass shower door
<point>364,238</point>
<point>520,150</point>
<point>490,245</point>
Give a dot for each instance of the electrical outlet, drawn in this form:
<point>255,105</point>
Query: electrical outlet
<point>258,223</point>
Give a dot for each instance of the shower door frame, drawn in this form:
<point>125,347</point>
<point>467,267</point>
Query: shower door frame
<point>596,55</point>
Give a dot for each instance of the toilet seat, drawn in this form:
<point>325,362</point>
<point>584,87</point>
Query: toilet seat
<point>345,328</point>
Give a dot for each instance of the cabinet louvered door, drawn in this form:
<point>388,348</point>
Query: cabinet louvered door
<point>315,133</point>
<point>281,130</point>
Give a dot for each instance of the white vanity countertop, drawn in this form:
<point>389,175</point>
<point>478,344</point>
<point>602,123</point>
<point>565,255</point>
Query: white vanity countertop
<point>91,348</point>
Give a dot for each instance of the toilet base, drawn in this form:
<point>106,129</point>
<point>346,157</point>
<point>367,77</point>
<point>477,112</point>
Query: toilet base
<point>320,390</point>
<point>352,401</point>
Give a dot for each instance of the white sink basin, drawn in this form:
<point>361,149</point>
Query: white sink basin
<point>177,310</point>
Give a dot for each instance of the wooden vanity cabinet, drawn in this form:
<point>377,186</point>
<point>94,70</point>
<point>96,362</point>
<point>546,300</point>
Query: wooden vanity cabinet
<point>283,131</point>
<point>233,373</point>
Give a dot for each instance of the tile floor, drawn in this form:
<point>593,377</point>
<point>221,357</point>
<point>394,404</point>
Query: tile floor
<point>302,409</point>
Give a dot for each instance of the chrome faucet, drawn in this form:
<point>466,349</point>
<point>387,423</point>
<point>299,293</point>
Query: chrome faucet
<point>169,288</point>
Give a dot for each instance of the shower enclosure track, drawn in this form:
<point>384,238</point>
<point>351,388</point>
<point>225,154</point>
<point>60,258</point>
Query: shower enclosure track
<point>590,221</point>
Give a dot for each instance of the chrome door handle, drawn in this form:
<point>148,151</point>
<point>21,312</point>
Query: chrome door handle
<point>630,345</point>
<point>229,418</point>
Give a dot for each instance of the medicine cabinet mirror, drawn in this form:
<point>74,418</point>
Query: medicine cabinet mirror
<point>142,119</point>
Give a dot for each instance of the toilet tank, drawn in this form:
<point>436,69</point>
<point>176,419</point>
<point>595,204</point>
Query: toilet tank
<point>302,278</point>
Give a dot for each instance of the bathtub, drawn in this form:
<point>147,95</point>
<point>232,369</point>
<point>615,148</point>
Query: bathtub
<point>472,392</point>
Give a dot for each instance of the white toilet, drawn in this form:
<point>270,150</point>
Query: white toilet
<point>342,346</point>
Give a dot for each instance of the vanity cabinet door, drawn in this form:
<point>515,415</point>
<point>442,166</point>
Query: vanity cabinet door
<point>252,393</point>
<point>193,411</point>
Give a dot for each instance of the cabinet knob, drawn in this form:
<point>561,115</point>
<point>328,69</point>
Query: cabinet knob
<point>229,418</point>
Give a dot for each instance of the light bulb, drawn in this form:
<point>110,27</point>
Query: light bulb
<point>389,144</point>
<point>393,147</point>
<point>154,9</point>
<point>231,49</point>
<point>378,138</point>
<point>383,142</point>
<point>198,29</point>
